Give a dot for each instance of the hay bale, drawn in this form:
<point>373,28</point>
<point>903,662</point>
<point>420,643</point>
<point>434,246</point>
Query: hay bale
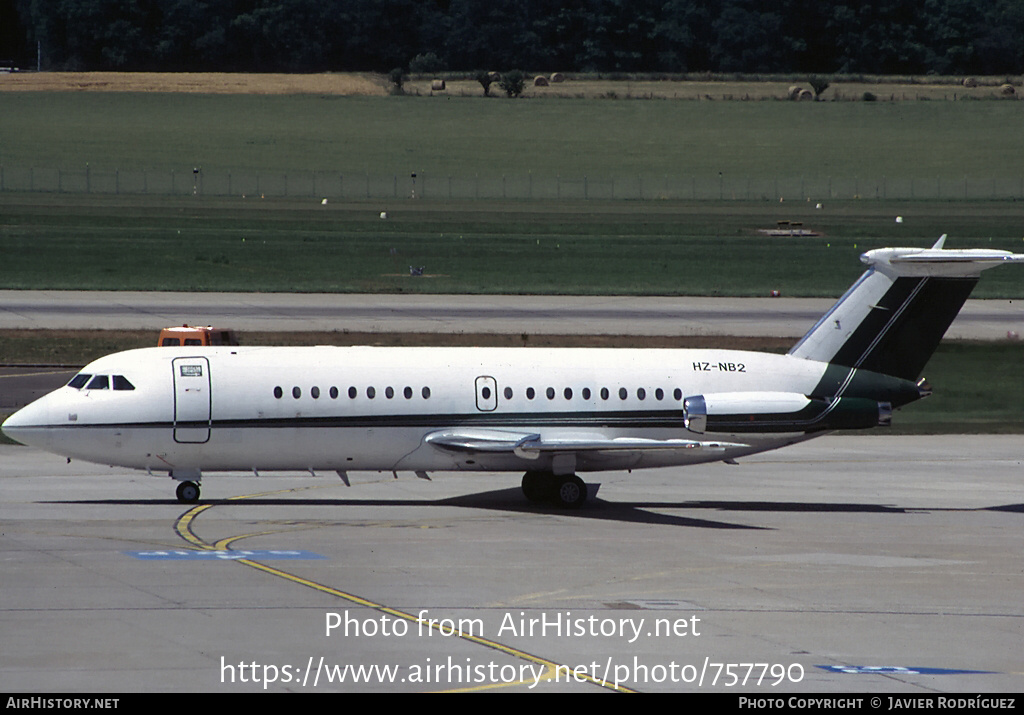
<point>540,81</point>
<point>437,85</point>
<point>1007,90</point>
<point>805,95</point>
<point>969,82</point>
<point>794,92</point>
<point>557,78</point>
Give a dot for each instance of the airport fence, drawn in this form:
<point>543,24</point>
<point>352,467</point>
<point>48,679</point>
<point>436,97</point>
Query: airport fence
<point>363,185</point>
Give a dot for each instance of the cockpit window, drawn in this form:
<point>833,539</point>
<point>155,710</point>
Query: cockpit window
<point>100,382</point>
<point>79,380</point>
<point>121,383</point>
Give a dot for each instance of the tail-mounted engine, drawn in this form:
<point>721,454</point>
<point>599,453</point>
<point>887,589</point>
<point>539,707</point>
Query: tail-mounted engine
<point>781,412</point>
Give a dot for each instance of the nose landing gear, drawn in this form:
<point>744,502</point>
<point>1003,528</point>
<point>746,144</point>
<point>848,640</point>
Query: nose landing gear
<point>188,487</point>
<point>188,492</point>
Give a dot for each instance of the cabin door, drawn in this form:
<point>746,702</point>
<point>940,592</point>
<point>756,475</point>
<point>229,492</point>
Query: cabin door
<point>191,399</point>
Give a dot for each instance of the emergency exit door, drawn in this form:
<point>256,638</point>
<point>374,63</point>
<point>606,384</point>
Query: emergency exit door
<point>486,394</point>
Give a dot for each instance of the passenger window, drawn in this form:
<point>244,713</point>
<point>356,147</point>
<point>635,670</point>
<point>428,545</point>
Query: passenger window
<point>193,341</point>
<point>79,380</point>
<point>334,393</point>
<point>641,393</point>
<point>170,342</point>
<point>622,393</point>
<point>659,394</point>
<point>568,393</point>
<point>389,392</point>
<point>426,393</point>
<point>408,393</point>
<point>278,392</point>
<point>296,393</point>
<point>352,392</point>
<point>121,383</point>
<point>550,392</point>
<point>508,393</point>
<point>604,393</point>
<point>530,393</point>
<point>371,393</point>
<point>678,394</point>
<point>100,382</point>
<point>315,392</point>
<point>586,393</point>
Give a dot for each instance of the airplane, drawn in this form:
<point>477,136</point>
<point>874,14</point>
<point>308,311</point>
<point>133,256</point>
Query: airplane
<point>548,412</point>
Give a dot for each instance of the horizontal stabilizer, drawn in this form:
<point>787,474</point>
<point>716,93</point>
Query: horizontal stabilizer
<point>939,261</point>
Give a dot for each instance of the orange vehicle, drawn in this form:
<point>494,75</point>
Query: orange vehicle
<point>196,335</point>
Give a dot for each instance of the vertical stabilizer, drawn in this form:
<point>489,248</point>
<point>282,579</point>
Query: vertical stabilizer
<point>892,319</point>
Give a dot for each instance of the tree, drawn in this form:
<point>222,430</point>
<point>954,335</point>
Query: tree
<point>819,85</point>
<point>792,36</point>
<point>427,63</point>
<point>397,77</point>
<point>513,82</point>
<point>491,33</point>
<point>485,79</point>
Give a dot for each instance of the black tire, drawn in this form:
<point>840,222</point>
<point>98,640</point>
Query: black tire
<point>188,492</point>
<point>538,486</point>
<point>571,493</point>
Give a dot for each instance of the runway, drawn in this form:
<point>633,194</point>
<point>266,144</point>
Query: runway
<point>588,315</point>
<point>865,564</point>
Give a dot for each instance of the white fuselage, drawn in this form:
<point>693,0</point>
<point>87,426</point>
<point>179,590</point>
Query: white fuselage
<point>370,408</point>
<point>549,412</point>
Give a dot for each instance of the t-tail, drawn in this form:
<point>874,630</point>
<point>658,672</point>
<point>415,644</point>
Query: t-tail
<point>892,319</point>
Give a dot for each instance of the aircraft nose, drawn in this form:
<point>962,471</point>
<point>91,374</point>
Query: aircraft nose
<point>29,425</point>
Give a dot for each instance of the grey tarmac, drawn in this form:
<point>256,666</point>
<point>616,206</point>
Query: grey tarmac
<point>891,553</point>
<point>584,315</point>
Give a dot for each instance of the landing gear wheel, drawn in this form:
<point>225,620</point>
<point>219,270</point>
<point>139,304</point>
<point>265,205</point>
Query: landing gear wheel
<point>572,492</point>
<point>537,486</point>
<point>188,492</point>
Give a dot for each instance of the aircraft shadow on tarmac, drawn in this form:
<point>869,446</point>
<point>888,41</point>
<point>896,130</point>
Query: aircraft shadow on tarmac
<point>511,501</point>
<point>505,500</point>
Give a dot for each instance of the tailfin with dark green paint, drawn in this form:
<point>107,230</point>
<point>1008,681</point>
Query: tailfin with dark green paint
<point>892,319</point>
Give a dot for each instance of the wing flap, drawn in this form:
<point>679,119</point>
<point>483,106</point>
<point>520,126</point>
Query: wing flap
<point>532,445</point>
<point>476,441</point>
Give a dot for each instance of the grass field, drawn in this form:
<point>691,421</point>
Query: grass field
<point>569,247</point>
<point>350,84</point>
<point>702,88</point>
<point>804,153</point>
<point>464,136</point>
<point>73,239</point>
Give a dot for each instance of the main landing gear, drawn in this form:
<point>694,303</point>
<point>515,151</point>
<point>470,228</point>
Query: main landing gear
<point>188,492</point>
<point>566,490</point>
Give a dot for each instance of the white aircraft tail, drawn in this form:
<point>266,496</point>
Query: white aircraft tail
<point>892,319</point>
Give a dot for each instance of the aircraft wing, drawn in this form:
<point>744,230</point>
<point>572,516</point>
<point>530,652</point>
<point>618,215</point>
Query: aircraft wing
<point>532,445</point>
